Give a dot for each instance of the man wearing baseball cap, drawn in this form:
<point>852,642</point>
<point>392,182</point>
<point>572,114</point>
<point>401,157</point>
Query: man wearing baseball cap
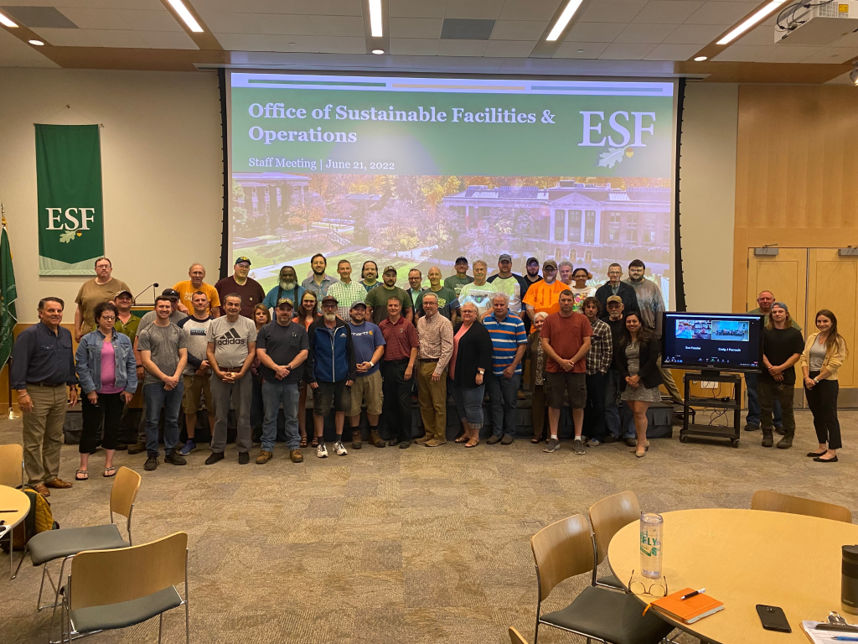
<point>505,281</point>
<point>249,289</point>
<point>457,281</point>
<point>544,295</point>
<point>282,347</point>
<point>376,299</point>
<point>369,348</point>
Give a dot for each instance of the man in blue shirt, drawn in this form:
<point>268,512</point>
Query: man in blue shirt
<point>369,348</point>
<point>509,342</point>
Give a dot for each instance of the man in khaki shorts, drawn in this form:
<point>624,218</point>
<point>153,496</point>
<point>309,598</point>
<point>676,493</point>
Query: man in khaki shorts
<point>197,373</point>
<point>369,348</point>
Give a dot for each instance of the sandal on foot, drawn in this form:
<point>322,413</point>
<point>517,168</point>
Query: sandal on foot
<point>109,472</point>
<point>303,442</point>
<point>469,444</point>
<point>535,440</point>
<point>462,439</point>
<point>81,475</point>
<point>315,442</point>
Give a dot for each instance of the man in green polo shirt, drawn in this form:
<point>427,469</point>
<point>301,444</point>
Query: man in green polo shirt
<point>376,299</point>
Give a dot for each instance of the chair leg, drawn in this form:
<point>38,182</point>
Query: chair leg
<point>536,632</point>
<point>23,556</point>
<point>187,621</point>
<point>160,626</point>
<point>41,587</point>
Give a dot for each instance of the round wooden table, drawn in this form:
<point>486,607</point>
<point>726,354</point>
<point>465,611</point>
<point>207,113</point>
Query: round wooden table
<point>12,499</point>
<point>744,558</point>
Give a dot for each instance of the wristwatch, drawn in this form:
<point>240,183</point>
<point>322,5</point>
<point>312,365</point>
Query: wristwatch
<point>371,364</point>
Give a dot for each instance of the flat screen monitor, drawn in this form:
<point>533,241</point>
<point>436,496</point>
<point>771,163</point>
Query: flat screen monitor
<point>713,341</point>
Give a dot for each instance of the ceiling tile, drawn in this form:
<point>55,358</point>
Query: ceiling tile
<point>68,37</point>
<point>721,13</point>
<point>589,50</point>
<point>519,29</point>
<point>280,24</point>
<point>464,47</point>
<point>787,54</point>
<point>414,46</point>
<point>694,34</point>
<point>510,48</point>
<point>763,35</point>
<point>415,27</point>
<point>416,9</point>
<point>324,25</point>
<point>149,20</point>
<point>626,51</point>
<point>644,33</point>
<point>167,39</point>
<point>338,45</point>
<point>612,11</point>
<point>742,53</point>
<point>672,52</point>
<point>595,32</point>
<point>86,18</point>
<point>849,40</point>
<point>117,38</point>
<point>529,9</point>
<point>334,8</point>
<point>486,9</point>
<point>667,11</point>
<point>831,55</point>
<point>205,7</point>
<point>243,42</point>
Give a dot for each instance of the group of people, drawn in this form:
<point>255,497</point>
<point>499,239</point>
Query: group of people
<point>369,343</point>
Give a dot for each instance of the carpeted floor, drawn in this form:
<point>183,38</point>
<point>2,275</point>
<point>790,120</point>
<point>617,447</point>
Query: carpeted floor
<point>393,546</point>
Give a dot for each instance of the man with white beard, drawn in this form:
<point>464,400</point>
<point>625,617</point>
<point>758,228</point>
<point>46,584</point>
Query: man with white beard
<point>287,286</point>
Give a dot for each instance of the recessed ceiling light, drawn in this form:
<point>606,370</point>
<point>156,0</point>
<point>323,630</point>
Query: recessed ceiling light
<point>375,22</point>
<point>378,52</point>
<point>6,22</point>
<point>700,59</point>
<point>750,22</point>
<point>563,20</point>
<point>580,51</point>
<point>37,43</point>
<point>186,16</point>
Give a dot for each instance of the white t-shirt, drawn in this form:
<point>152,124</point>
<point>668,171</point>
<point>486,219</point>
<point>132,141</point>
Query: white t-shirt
<point>582,294</point>
<point>231,340</point>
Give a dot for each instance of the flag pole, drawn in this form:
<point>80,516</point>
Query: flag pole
<point>11,414</point>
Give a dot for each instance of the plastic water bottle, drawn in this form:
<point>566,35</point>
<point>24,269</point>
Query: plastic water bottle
<point>652,525</point>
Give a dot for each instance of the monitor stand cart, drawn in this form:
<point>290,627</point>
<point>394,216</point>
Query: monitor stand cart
<point>710,431</point>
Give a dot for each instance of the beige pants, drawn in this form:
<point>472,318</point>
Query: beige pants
<point>43,433</point>
<point>433,400</point>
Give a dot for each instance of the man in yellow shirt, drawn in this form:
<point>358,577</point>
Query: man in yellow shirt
<point>187,288</point>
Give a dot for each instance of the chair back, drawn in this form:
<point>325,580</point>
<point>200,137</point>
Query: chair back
<point>101,577</point>
<point>515,637</point>
<point>124,493</point>
<point>777,502</point>
<point>561,550</point>
<point>609,515</point>
<point>11,465</point>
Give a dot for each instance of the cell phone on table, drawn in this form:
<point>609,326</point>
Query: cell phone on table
<point>773,618</point>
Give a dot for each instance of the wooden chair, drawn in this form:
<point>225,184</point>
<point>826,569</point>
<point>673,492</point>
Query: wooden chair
<point>112,589</point>
<point>62,544</point>
<point>565,549</point>
<point>12,465</point>
<point>607,517</point>
<point>515,637</point>
<point>777,502</point>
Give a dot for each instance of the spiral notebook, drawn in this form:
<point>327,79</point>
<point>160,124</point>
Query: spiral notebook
<point>689,610</point>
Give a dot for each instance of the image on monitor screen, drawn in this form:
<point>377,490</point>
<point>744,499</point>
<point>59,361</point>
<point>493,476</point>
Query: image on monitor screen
<point>725,342</point>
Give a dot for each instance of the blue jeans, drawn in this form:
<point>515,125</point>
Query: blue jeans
<point>753,417</point>
<point>155,396</point>
<point>469,403</point>
<point>273,394</point>
<point>616,417</point>
<point>503,398</point>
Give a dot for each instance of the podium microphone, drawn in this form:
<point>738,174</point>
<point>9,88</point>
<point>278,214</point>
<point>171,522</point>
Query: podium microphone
<point>153,286</point>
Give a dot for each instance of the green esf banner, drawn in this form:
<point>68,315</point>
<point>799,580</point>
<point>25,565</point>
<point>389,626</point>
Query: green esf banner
<point>71,215</point>
<point>445,133</point>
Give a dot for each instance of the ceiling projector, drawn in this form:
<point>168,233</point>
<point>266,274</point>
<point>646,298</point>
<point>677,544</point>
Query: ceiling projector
<point>816,23</point>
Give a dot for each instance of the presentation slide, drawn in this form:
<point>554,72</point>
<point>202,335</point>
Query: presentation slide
<point>414,172</point>
<point>711,341</point>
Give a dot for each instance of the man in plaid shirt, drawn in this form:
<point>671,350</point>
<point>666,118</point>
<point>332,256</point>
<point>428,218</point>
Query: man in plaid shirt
<point>598,362</point>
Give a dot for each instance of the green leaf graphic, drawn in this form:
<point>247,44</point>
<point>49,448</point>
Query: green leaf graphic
<point>67,236</point>
<point>610,158</point>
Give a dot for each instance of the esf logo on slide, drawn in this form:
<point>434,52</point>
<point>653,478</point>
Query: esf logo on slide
<point>619,123</point>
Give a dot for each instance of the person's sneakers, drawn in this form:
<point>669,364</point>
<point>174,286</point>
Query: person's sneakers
<point>768,439</point>
<point>356,439</point>
<point>593,443</point>
<point>552,445</point>
<point>424,439</point>
<point>137,448</point>
<point>296,456</point>
<point>611,439</point>
<point>785,442</point>
<point>321,450</point>
<point>151,464</point>
<point>780,431</point>
<point>435,442</point>
<point>507,439</point>
<point>376,439</point>
<point>340,449</point>
<point>188,447</point>
<point>631,442</point>
<point>214,457</point>
<point>404,444</point>
<point>393,442</point>
<point>174,458</point>
<point>243,458</point>
<point>494,438</point>
<point>578,446</point>
<point>750,427</point>
<point>264,457</point>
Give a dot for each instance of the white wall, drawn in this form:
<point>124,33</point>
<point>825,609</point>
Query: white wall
<point>708,194</point>
<point>161,171</point>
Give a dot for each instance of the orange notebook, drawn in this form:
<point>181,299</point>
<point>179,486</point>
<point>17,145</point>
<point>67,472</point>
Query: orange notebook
<point>689,610</point>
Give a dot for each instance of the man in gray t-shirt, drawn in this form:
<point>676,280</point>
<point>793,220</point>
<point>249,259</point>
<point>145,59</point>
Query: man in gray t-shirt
<point>176,315</point>
<point>163,351</point>
<point>230,351</point>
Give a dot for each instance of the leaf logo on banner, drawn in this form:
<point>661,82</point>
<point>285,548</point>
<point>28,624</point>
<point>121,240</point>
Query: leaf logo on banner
<point>67,236</point>
<point>614,156</point>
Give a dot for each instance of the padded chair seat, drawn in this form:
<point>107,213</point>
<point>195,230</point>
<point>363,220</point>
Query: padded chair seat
<point>54,544</point>
<point>612,581</point>
<point>610,616</point>
<point>124,614</point>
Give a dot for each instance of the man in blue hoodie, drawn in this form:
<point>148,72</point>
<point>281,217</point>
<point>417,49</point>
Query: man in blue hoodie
<point>331,371</point>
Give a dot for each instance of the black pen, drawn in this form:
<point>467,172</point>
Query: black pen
<point>694,594</point>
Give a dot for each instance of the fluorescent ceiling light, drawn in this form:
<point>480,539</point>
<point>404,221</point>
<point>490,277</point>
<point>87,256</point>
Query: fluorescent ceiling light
<point>37,43</point>
<point>563,20</point>
<point>375,23</point>
<point>6,22</point>
<point>185,15</point>
<point>700,59</point>
<point>750,22</point>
